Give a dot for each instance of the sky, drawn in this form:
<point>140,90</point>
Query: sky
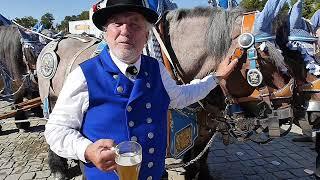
<point>61,8</point>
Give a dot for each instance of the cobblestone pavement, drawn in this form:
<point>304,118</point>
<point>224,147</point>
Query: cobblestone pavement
<point>279,159</point>
<point>23,155</point>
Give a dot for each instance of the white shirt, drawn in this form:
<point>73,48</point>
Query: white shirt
<point>62,129</point>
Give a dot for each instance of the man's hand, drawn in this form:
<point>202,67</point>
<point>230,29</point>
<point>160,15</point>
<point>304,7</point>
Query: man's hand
<point>225,68</point>
<point>100,155</point>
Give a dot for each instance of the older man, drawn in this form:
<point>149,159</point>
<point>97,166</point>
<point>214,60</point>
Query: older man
<point>121,95</point>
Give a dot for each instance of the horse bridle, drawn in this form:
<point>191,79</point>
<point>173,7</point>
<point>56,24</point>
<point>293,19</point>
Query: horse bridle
<point>246,42</point>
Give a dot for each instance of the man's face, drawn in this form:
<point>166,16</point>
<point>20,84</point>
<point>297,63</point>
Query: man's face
<point>126,34</point>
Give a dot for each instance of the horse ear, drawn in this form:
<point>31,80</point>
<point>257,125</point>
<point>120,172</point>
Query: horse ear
<point>295,16</point>
<point>263,23</point>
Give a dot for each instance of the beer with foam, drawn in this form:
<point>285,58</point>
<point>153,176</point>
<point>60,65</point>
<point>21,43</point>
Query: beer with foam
<point>128,166</point>
<point>128,159</point>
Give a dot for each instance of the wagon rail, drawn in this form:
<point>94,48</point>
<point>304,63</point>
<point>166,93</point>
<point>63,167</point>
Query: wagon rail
<point>23,106</point>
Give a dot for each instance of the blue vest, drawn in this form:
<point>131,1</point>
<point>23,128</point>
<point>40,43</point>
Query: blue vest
<point>123,110</point>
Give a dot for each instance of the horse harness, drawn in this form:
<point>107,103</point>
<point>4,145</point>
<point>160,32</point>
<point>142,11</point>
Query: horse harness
<point>313,86</point>
<point>48,62</point>
<point>30,76</point>
<point>247,42</point>
<point>254,77</point>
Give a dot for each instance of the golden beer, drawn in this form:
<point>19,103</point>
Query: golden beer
<point>128,159</point>
<point>128,166</point>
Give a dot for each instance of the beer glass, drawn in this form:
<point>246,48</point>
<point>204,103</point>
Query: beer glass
<point>128,159</point>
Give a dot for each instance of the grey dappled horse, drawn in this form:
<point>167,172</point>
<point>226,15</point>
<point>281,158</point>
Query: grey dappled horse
<point>68,53</point>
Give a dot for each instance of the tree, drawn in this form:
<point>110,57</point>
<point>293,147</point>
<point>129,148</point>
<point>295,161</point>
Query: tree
<point>64,25</point>
<point>309,7</point>
<point>27,21</point>
<point>84,15</point>
<point>253,5</point>
<point>47,20</point>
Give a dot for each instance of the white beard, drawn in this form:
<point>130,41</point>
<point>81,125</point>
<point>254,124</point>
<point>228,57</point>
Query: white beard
<point>127,57</point>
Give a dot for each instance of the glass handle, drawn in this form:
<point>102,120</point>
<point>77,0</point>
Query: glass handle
<point>115,171</point>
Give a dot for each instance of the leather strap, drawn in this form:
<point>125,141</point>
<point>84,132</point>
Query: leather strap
<point>237,54</point>
<point>314,86</point>
<point>164,57</point>
<point>248,22</point>
<point>265,95</point>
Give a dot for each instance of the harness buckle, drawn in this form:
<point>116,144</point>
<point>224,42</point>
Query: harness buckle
<point>254,77</point>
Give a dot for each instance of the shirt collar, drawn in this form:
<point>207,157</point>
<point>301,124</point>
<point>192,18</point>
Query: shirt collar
<point>123,66</point>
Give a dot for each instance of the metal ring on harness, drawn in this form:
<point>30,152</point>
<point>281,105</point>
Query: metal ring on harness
<point>254,77</point>
<point>246,40</point>
<point>48,64</point>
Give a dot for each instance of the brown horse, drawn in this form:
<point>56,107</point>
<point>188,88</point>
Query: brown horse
<point>307,99</point>
<point>198,39</point>
<point>17,65</point>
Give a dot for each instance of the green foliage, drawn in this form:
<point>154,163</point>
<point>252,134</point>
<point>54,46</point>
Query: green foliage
<point>47,20</point>
<point>253,5</point>
<point>84,15</point>
<point>64,25</point>
<point>27,21</point>
<point>309,7</point>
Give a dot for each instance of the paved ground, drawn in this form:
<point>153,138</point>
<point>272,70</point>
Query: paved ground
<point>279,159</point>
<point>23,155</point>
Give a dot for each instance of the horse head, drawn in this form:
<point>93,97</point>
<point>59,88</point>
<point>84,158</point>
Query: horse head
<point>198,39</point>
<point>298,44</point>
<point>31,47</point>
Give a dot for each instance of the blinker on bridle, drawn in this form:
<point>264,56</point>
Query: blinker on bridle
<point>247,42</point>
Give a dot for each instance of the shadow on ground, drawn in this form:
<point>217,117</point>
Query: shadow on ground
<point>279,159</point>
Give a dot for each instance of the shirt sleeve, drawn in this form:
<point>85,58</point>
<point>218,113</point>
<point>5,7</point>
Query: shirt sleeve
<point>184,95</point>
<point>62,129</point>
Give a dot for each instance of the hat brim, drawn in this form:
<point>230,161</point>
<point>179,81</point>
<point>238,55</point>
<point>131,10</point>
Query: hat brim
<point>100,17</point>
